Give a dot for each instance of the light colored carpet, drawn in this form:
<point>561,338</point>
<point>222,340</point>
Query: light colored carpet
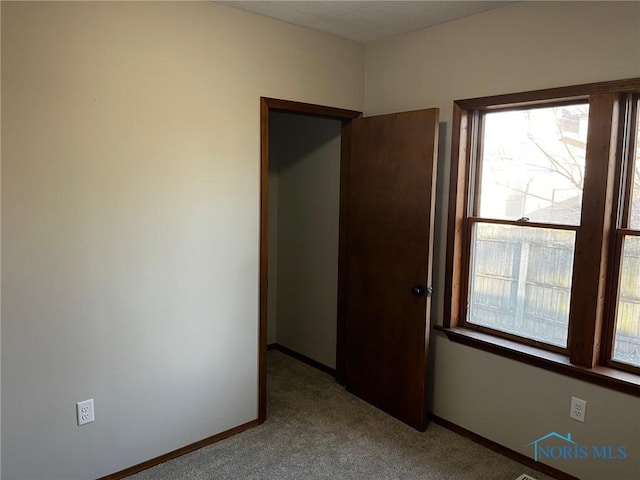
<point>316,430</point>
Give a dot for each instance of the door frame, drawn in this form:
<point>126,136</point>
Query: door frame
<point>268,105</point>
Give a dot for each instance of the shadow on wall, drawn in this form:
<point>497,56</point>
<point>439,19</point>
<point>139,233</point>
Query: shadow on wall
<point>298,146</point>
<point>439,248</point>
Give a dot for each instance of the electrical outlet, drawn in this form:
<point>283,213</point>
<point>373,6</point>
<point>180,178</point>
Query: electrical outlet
<point>85,412</point>
<point>524,476</point>
<point>578,409</point>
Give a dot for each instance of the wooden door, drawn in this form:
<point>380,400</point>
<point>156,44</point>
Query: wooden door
<point>389,245</point>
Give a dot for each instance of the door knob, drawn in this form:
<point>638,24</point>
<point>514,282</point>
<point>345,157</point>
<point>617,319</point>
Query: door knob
<point>418,291</point>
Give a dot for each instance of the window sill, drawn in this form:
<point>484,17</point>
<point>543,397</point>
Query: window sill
<point>555,362</point>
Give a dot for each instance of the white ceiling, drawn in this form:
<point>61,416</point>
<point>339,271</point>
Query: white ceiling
<point>365,20</point>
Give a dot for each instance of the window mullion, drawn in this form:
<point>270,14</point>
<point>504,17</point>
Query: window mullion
<point>593,237</point>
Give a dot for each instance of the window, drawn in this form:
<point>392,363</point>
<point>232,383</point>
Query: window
<point>626,337</point>
<point>530,170</point>
<point>543,247</point>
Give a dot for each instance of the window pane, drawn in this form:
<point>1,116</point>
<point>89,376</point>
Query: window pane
<point>626,347</point>
<point>635,199</point>
<point>533,164</point>
<point>521,281</point>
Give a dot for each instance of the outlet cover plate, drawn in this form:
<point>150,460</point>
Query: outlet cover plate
<point>578,409</point>
<point>85,412</point>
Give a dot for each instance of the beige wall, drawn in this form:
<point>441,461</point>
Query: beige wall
<point>130,194</point>
<point>305,151</point>
<point>519,47</point>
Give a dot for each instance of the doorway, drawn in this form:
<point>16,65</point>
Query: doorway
<point>304,194</point>
<point>385,252</point>
<point>281,115</point>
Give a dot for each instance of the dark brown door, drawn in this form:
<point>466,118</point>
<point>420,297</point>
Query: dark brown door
<point>389,232</point>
